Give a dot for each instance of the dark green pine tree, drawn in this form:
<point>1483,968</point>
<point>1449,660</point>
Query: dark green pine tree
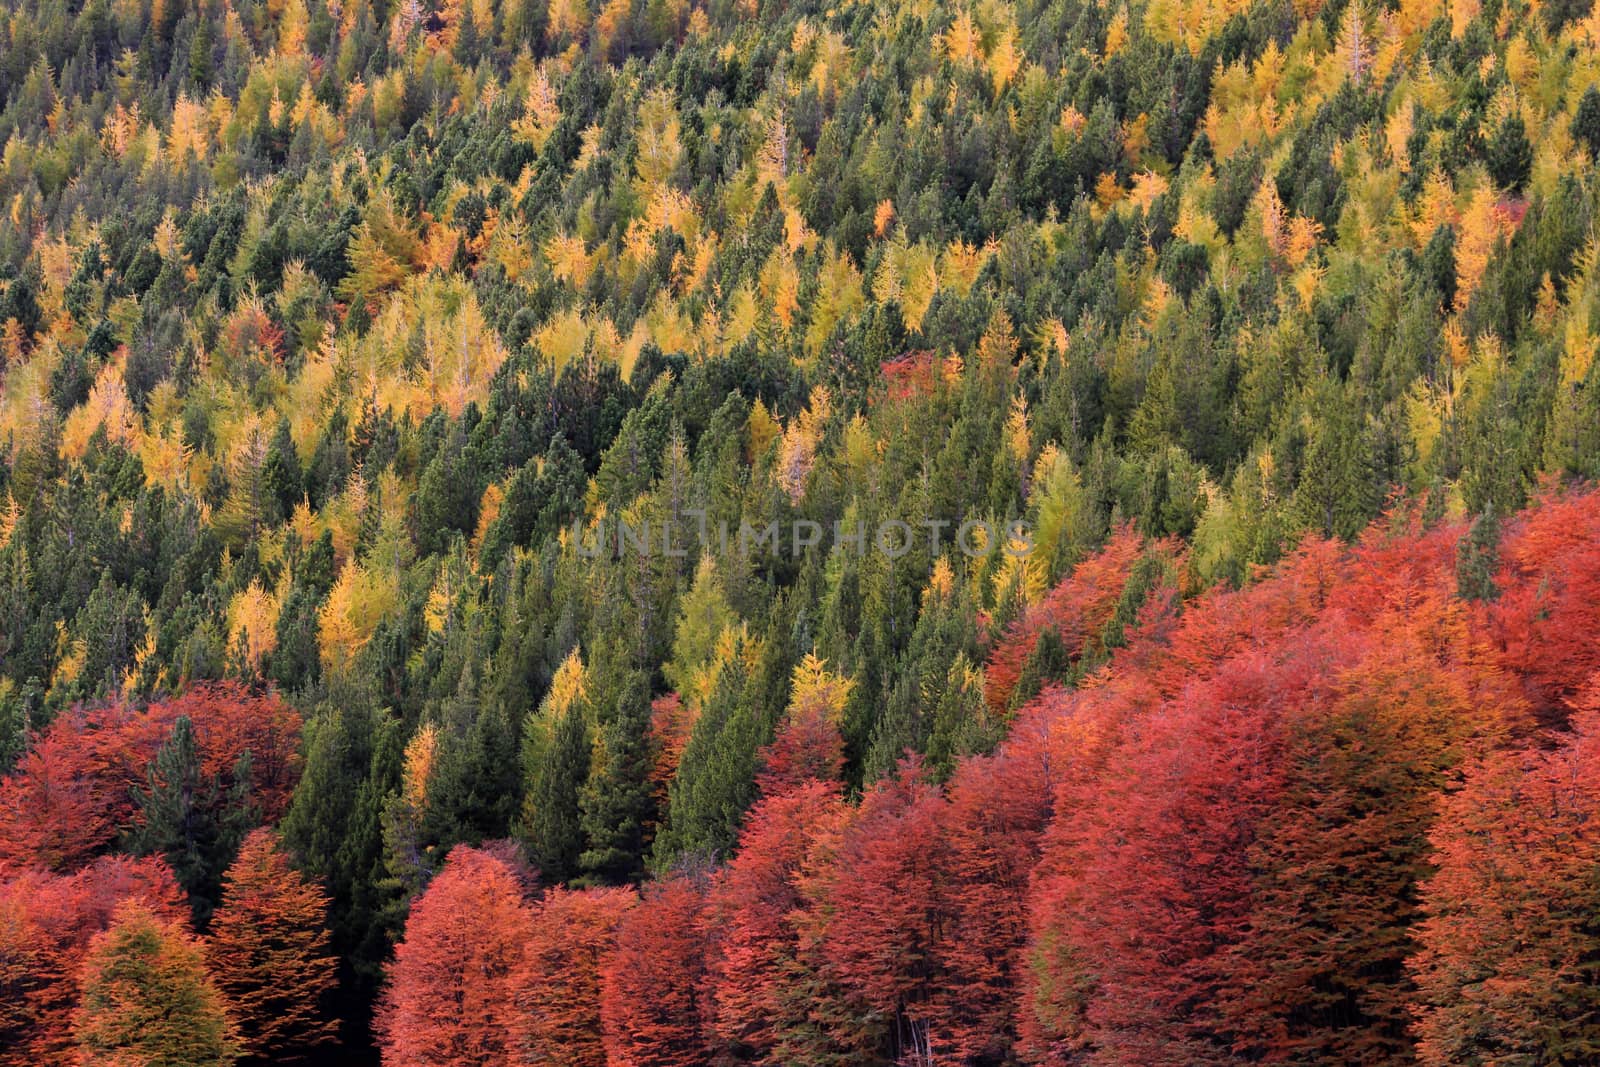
<point>1477,558</point>
<point>962,724</point>
<point>281,484</point>
<point>946,636</point>
<point>446,500</point>
<point>617,804</point>
<point>539,499</point>
<point>191,819</point>
<point>1048,662</point>
<point>1338,494</point>
<point>550,822</point>
<point>200,53</point>
<point>1586,122</point>
<point>715,782</point>
<point>468,46</point>
<point>716,776</point>
<point>901,728</point>
<point>114,614</point>
<point>334,827</point>
<point>474,784</point>
<point>297,662</point>
<point>20,712</point>
<point>1509,155</point>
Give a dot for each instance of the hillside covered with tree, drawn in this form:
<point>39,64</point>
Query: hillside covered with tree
<point>1225,372</point>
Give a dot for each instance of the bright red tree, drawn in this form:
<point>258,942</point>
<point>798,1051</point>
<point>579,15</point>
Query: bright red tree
<point>764,986</point>
<point>884,900</point>
<point>557,987</point>
<point>1510,941</point>
<point>652,982</point>
<point>1319,972</point>
<point>54,812</point>
<point>1233,877</point>
<point>809,745</point>
<point>1548,611</point>
<point>1077,609</point>
<point>450,997</point>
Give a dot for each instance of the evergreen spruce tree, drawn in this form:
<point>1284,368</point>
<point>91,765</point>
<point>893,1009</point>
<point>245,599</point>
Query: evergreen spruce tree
<point>1509,155</point>
<point>715,781</point>
<point>617,806</point>
<point>1586,121</point>
<point>190,819</point>
<point>551,814</point>
<point>281,484</point>
<point>1477,558</point>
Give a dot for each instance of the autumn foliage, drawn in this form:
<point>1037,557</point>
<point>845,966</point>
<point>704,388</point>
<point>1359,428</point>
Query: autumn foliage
<point>268,949</point>
<point>1508,935</point>
<point>557,986</point>
<point>69,802</point>
<point>1314,818</point>
<point>653,992</point>
<point>463,947</point>
<point>47,922</point>
<point>861,534</point>
<point>74,790</point>
<point>146,998</point>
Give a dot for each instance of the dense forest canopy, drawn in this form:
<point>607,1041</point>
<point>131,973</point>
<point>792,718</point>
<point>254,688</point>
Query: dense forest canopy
<point>1229,367</point>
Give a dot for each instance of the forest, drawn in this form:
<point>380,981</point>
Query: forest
<point>1229,694</point>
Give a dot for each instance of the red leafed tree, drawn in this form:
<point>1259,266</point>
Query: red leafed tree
<point>671,721</point>
<point>558,994</point>
<point>808,747</point>
<point>54,813</point>
<point>1222,622</point>
<point>73,792</point>
<point>884,901</point>
<point>1506,971</point>
<point>1233,877</point>
<point>1144,875</point>
<point>1548,611</point>
<point>1000,807</point>
<point>763,983</point>
<point>110,880</point>
<point>1318,974</point>
<point>450,997</point>
<point>912,374</point>
<point>268,950</point>
<point>652,982</point>
<point>46,923</point>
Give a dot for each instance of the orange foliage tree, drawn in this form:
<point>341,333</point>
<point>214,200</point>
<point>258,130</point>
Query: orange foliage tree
<point>885,898</point>
<point>146,997</point>
<point>1076,612</point>
<point>762,976</point>
<point>268,948</point>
